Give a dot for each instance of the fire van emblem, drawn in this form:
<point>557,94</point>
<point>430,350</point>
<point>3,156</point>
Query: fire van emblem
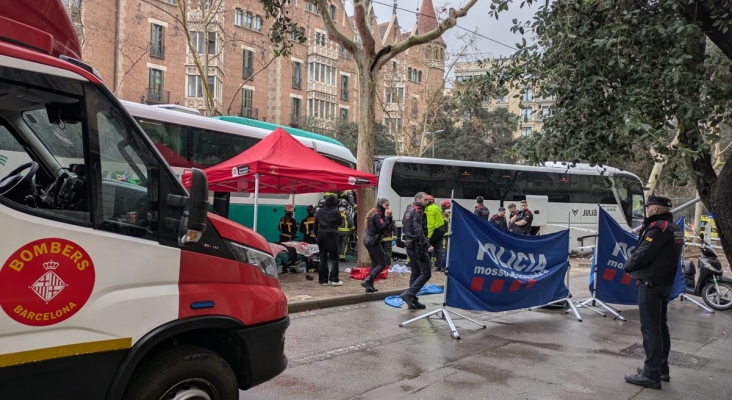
<point>46,282</point>
<point>49,284</point>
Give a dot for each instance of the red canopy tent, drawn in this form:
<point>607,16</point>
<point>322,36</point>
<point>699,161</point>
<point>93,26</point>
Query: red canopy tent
<point>279,163</point>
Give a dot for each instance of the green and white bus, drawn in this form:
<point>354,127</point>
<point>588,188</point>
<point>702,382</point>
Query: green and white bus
<point>187,141</point>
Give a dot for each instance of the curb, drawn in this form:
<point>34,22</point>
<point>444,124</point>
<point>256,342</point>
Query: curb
<point>308,305</point>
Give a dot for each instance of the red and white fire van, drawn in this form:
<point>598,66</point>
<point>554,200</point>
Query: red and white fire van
<point>115,283</point>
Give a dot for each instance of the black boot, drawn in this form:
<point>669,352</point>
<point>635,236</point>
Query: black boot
<point>368,284</point>
<point>642,380</point>
<point>419,305</point>
<point>409,300</point>
<point>664,377</point>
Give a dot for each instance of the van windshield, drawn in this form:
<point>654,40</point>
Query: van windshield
<point>64,141</point>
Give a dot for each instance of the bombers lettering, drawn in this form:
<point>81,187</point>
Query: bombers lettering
<point>27,255</point>
<point>517,261</point>
<point>46,316</point>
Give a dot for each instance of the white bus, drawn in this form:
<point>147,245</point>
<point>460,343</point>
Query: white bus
<point>187,141</point>
<point>557,194</point>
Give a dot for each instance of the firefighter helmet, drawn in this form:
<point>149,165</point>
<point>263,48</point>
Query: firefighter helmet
<point>289,208</point>
<point>445,204</point>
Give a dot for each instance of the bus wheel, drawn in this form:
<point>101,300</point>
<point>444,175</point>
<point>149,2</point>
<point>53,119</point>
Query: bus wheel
<point>184,373</point>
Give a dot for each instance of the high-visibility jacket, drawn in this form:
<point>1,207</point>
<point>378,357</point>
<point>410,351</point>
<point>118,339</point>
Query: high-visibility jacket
<point>347,224</point>
<point>434,218</point>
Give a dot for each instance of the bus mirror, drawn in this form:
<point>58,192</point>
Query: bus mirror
<point>193,223</point>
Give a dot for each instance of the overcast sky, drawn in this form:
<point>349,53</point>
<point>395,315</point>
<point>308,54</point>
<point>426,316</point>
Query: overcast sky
<point>498,30</point>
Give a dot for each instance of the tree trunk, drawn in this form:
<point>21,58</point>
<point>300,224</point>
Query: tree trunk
<point>365,149</point>
<point>719,204</point>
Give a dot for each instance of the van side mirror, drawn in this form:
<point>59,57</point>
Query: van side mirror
<point>193,223</point>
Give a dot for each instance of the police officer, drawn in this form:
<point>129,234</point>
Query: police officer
<point>344,230</point>
<point>511,213</point>
<point>499,219</point>
<point>378,222</point>
<point>654,264</point>
<point>288,225</point>
<point>418,249</point>
<point>306,226</point>
<point>522,220</point>
<point>481,210</point>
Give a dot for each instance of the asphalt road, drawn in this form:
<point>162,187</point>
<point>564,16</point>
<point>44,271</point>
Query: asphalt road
<point>360,352</point>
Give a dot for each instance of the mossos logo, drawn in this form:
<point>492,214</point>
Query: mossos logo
<point>518,261</point>
<point>623,251</point>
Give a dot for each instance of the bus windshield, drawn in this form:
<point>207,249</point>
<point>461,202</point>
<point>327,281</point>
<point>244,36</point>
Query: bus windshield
<point>630,194</point>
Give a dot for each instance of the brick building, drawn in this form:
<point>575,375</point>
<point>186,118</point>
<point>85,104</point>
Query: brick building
<point>141,50</point>
<point>530,108</point>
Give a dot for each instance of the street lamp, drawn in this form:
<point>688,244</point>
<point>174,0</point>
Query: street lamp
<point>433,139</point>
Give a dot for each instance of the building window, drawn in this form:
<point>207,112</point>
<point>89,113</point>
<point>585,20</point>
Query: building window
<point>526,130</point>
<point>295,34</point>
<point>248,20</point>
<point>415,110</point>
<point>344,87</point>
<point>394,95</point>
<point>198,40</point>
<point>248,64</point>
<point>311,7</point>
<point>527,114</point>
<point>332,12</point>
<point>528,94</point>
<point>157,34</point>
<point>503,99</point>
<point>545,111</point>
<point>428,53</point>
<point>321,109</point>
<point>393,65</point>
<point>320,38</point>
<point>238,16</point>
<point>258,23</point>
<point>419,76</point>
<point>296,107</point>
<point>155,90</point>
<point>322,73</point>
<point>246,103</point>
<point>296,75</point>
<point>392,124</point>
<point>344,114</point>
<point>195,86</point>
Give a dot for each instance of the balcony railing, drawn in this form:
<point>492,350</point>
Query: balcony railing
<point>247,72</point>
<point>157,50</point>
<point>344,94</point>
<point>158,96</point>
<point>252,113</point>
<point>294,120</point>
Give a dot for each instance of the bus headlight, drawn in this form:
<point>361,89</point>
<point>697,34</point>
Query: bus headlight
<point>248,255</point>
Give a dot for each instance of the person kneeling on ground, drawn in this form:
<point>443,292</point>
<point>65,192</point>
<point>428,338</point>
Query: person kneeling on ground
<point>378,221</point>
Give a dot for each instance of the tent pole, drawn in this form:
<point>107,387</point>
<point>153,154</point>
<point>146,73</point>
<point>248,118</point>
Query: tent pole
<point>256,200</point>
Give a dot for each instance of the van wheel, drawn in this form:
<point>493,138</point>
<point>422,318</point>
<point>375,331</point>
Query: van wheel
<point>719,300</point>
<point>184,373</point>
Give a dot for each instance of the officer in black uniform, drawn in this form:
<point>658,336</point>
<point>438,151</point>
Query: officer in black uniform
<point>418,249</point>
<point>499,219</point>
<point>522,220</point>
<point>654,264</point>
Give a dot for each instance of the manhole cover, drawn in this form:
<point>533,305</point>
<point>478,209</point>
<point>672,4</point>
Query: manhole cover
<point>675,358</point>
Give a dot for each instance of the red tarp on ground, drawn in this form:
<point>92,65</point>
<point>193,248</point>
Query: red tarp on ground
<point>284,165</point>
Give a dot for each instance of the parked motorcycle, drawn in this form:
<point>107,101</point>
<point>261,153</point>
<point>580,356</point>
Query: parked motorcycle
<point>709,283</point>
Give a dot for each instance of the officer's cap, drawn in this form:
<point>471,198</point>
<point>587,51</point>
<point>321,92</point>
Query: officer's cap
<point>658,201</point>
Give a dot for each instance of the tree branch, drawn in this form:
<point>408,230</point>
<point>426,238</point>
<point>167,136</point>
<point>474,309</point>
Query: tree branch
<point>412,41</point>
<point>360,14</point>
<point>330,27</point>
<point>250,79</point>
